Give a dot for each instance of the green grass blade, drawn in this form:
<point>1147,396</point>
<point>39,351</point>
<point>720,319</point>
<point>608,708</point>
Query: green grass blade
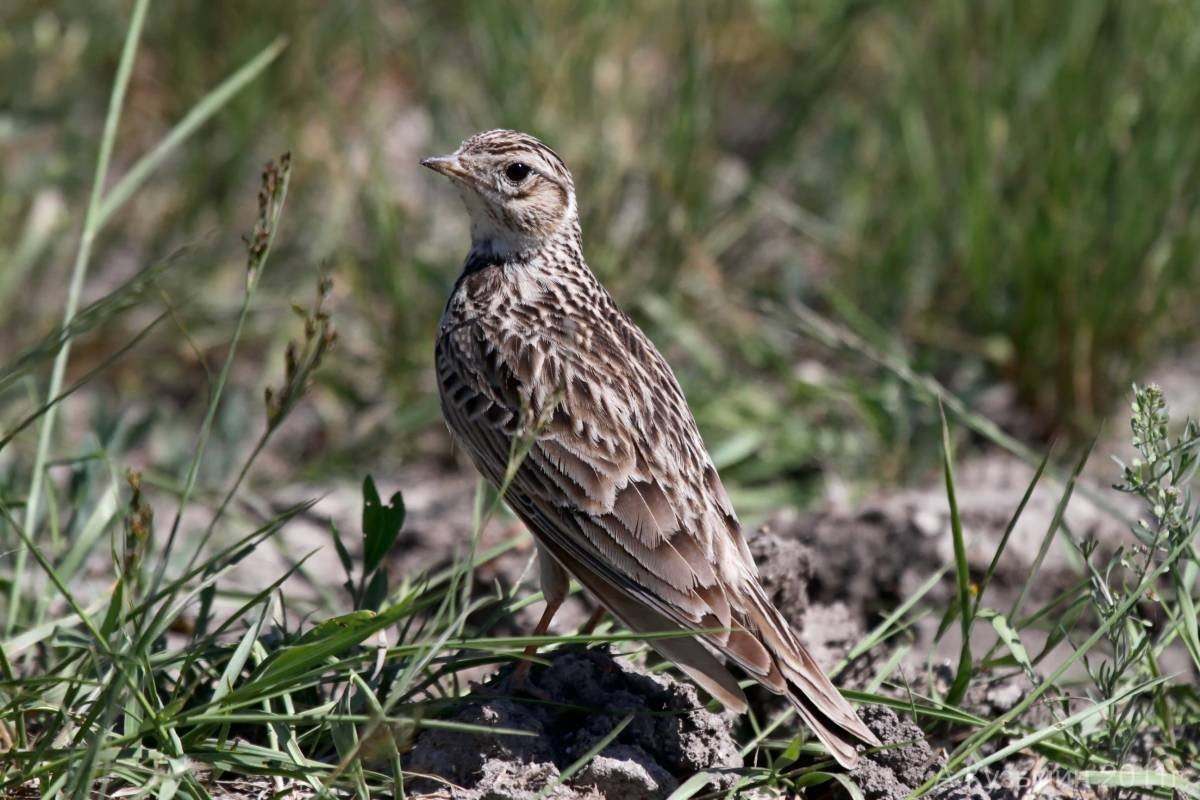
<point>91,226</point>
<point>128,296</point>
<point>39,633</point>
<point>1187,611</point>
<point>972,744</point>
<point>1048,539</point>
<point>962,677</point>
<point>692,786</point>
<point>237,661</point>
<point>378,713</point>
<point>881,631</point>
<point>1141,779</point>
<point>270,213</point>
<point>1011,640</point>
<point>200,113</point>
<point>51,405</point>
<point>586,758</point>
<point>1050,730</point>
<point>330,638</point>
<point>1008,530</point>
<point>838,337</point>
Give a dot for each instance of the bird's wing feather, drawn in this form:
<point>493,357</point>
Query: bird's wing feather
<point>638,506</point>
<point>612,476</point>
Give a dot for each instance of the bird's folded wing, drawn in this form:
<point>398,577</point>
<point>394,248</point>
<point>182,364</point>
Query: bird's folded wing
<point>612,471</point>
<point>605,464</point>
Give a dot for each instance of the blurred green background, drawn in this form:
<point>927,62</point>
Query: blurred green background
<point>1002,192</point>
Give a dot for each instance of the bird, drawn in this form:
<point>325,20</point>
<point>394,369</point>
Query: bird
<point>566,406</point>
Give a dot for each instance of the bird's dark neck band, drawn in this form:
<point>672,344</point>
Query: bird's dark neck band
<point>479,260</point>
<point>483,255</point>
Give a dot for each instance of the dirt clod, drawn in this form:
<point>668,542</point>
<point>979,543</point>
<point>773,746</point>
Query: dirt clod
<point>669,737</point>
<point>892,773</point>
<point>784,568</point>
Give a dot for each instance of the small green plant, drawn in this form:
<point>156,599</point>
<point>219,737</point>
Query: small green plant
<point>1160,476</point>
<point>1117,623</point>
<point>381,525</point>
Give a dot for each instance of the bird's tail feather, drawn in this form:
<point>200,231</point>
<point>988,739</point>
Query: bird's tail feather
<point>816,699</point>
<point>779,662</point>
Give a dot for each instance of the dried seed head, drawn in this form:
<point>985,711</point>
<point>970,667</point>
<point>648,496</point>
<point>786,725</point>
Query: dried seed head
<point>290,361</point>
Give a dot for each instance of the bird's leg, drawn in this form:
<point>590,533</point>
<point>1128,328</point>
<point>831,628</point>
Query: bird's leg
<point>589,627</point>
<point>555,582</point>
<point>521,674</point>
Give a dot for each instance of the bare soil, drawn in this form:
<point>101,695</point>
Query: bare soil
<point>669,735</point>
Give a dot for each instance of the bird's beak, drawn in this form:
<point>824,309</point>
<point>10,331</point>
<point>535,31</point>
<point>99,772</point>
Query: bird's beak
<point>449,166</point>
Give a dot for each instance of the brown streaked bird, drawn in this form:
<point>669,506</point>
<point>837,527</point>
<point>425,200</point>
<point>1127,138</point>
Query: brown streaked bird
<point>616,485</point>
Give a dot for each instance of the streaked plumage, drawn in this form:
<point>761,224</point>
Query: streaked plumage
<point>616,485</point>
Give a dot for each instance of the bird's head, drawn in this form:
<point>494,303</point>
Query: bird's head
<point>516,189</point>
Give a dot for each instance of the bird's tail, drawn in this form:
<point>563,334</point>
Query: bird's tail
<point>817,700</point>
<point>766,648</point>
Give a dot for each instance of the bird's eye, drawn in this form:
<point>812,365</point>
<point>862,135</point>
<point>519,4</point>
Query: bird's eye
<point>517,171</point>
